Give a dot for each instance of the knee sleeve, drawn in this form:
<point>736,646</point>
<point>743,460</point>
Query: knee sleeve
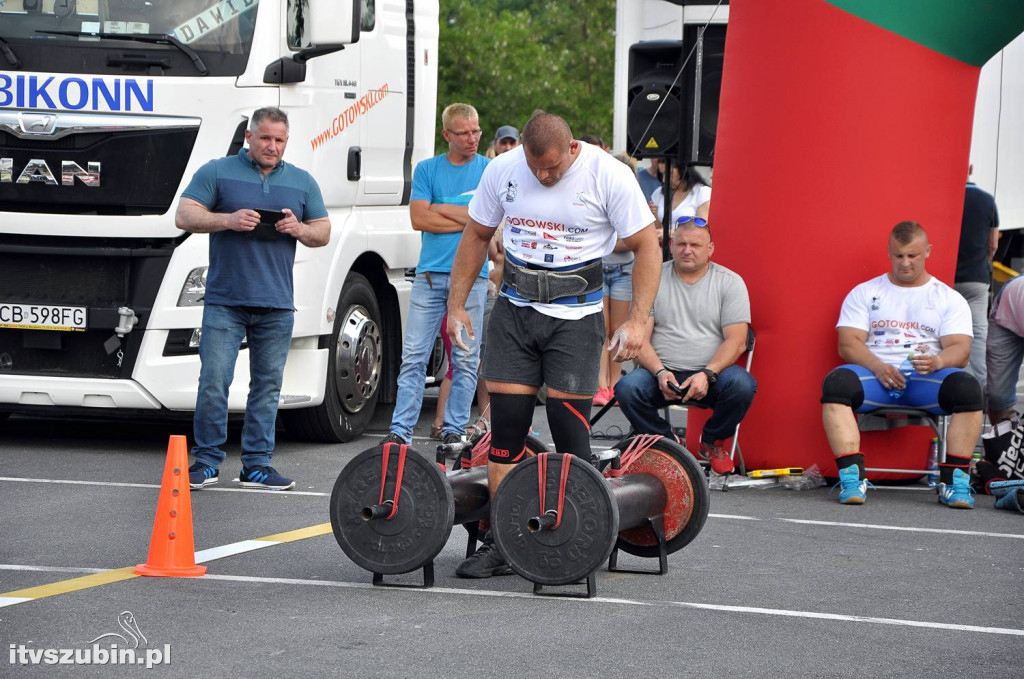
<point>511,415</point>
<point>960,392</point>
<point>843,386</point>
<point>570,425</point>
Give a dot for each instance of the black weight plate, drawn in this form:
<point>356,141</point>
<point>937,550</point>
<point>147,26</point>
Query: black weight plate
<point>688,498</point>
<point>580,544</point>
<point>419,529</point>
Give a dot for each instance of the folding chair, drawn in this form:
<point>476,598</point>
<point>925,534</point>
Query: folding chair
<point>892,417</point>
<point>736,453</point>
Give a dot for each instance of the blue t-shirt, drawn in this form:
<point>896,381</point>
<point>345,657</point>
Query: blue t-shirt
<point>647,183</point>
<point>436,180</point>
<point>244,270</point>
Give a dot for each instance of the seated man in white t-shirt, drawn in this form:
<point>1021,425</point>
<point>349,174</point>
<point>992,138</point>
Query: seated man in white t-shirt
<point>697,330</point>
<point>904,313</point>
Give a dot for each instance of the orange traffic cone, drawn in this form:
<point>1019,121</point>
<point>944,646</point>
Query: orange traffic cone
<point>171,549</point>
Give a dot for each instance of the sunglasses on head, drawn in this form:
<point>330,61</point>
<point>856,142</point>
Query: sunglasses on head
<point>697,221</point>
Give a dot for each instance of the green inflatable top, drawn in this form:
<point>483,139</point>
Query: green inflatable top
<point>971,31</point>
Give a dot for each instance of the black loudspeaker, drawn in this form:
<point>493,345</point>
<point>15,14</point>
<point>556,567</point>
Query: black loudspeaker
<point>685,125</point>
<point>653,104</point>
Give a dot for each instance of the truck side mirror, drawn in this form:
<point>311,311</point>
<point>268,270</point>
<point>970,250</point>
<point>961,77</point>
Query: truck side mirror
<point>332,25</point>
<point>334,22</point>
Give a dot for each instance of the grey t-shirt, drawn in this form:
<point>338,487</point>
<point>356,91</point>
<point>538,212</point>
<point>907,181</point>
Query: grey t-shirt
<point>688,319</point>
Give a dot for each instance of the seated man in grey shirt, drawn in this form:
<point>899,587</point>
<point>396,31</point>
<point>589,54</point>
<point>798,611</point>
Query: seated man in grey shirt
<point>697,330</point>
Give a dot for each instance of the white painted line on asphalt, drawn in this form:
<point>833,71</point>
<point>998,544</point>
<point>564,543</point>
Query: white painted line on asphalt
<point>849,618</point>
<point>232,549</point>
<point>947,531</point>
<point>734,516</point>
<point>49,569</point>
<point>82,483</point>
<point>114,484</point>
<point>12,600</point>
<point>780,612</point>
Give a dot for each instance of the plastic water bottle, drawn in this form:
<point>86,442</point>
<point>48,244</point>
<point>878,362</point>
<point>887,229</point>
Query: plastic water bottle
<point>906,369</point>
<point>975,459</point>
<point>933,463</point>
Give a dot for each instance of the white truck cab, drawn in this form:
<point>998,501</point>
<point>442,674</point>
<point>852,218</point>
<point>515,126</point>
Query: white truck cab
<point>108,107</point>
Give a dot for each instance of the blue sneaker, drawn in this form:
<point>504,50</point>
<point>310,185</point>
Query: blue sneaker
<point>854,490</point>
<point>202,475</point>
<point>263,477</point>
<point>957,494</point>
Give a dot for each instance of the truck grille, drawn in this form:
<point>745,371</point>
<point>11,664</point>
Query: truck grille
<point>96,274</point>
<point>68,280</point>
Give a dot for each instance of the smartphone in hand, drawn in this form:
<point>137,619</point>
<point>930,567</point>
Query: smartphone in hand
<point>266,229</point>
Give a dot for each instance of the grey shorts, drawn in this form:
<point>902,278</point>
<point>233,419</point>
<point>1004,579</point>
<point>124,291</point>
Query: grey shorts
<point>1003,357</point>
<point>526,347</point>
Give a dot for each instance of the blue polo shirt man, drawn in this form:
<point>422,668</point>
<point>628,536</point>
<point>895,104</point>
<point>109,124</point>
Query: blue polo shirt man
<point>249,289</point>
<point>442,187</point>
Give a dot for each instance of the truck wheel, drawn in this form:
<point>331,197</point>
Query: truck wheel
<point>353,370</point>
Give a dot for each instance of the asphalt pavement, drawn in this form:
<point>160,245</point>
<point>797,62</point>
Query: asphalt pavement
<point>779,583</point>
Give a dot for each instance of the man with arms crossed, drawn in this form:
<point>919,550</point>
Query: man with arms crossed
<point>564,203</point>
<point>441,189</point>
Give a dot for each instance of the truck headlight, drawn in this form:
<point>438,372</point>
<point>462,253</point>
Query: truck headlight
<point>194,289</point>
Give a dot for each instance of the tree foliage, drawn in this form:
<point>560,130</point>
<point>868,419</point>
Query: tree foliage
<point>510,57</point>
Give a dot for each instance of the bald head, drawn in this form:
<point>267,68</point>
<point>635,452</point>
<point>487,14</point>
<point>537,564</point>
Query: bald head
<point>546,131</point>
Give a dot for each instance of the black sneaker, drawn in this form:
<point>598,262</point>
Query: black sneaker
<point>264,477</point>
<point>202,475</point>
<point>485,562</point>
<point>451,437</point>
<point>392,438</point>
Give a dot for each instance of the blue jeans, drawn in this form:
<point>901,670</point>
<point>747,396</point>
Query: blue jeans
<point>269,336</point>
<point>428,304</point>
<point>730,397</point>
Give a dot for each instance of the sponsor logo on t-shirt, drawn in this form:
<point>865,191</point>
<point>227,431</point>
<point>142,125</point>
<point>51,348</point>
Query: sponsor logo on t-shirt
<point>545,225</point>
<point>548,236</point>
<point>893,323</point>
<point>511,189</point>
<point>573,247</point>
<point>568,258</point>
<point>573,239</point>
<point>532,244</point>
<point>525,232</point>
<point>549,246</point>
<point>549,258</point>
<point>580,200</point>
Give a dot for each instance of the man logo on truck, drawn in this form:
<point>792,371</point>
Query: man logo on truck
<point>36,171</point>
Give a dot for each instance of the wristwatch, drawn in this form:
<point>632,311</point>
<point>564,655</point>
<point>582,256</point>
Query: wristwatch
<point>711,375</point>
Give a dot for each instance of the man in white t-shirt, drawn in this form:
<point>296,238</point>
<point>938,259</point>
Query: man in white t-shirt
<point>904,313</point>
<point>564,203</point>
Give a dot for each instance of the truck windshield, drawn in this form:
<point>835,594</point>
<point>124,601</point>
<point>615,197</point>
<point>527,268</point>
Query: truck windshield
<point>79,36</point>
